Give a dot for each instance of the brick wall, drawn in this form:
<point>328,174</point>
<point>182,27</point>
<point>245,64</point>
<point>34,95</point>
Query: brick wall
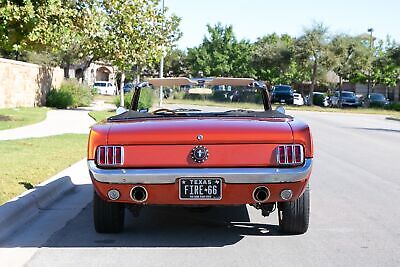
<point>26,85</point>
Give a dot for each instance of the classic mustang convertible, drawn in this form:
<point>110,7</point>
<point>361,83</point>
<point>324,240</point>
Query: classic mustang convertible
<point>190,157</point>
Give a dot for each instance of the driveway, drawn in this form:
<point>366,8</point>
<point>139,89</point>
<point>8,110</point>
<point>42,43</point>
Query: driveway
<point>354,216</point>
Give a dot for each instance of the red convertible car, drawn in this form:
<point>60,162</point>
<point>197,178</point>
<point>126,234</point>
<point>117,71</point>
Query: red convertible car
<point>201,158</point>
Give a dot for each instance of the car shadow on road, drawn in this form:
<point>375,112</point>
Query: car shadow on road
<point>377,129</point>
<point>161,226</point>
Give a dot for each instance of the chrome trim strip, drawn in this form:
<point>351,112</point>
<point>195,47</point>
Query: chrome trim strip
<point>229,175</point>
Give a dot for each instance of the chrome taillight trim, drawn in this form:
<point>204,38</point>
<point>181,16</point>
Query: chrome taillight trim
<point>114,149</point>
<point>294,155</point>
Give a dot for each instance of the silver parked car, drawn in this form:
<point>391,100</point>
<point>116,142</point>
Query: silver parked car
<point>346,99</point>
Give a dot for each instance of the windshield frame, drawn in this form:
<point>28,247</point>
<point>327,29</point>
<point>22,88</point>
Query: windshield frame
<point>216,81</point>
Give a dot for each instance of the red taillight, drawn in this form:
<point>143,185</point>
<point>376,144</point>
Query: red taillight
<point>110,155</point>
<point>281,154</point>
<point>290,155</point>
<point>298,152</point>
<point>101,155</point>
<point>118,155</point>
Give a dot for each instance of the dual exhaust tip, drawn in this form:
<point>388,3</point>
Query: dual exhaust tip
<point>261,194</point>
<point>139,194</point>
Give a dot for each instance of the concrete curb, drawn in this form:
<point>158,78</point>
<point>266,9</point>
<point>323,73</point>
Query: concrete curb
<point>392,119</point>
<point>17,212</point>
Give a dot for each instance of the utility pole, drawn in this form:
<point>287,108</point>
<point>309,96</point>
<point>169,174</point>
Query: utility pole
<point>370,30</point>
<point>161,69</point>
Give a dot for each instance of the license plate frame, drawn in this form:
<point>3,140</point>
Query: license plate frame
<point>208,188</point>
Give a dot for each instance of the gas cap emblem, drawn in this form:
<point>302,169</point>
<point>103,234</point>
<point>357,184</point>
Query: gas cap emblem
<point>199,154</point>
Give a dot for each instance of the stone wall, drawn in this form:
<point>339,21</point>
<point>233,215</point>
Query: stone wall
<point>26,85</point>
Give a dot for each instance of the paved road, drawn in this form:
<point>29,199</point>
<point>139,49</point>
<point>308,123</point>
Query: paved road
<point>355,216</point>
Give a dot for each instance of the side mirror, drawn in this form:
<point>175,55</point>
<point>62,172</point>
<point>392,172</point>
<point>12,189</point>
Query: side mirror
<point>121,110</point>
<point>280,109</point>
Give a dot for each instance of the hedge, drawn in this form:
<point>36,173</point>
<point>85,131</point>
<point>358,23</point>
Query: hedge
<point>71,94</point>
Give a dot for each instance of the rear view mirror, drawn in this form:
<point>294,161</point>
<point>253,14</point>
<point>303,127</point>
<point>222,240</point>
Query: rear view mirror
<point>280,109</point>
<point>121,110</point>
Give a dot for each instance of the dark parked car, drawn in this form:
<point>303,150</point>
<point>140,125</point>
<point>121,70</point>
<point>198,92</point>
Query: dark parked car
<point>282,94</point>
<point>346,99</point>
<point>128,87</point>
<point>320,99</point>
<point>377,100</point>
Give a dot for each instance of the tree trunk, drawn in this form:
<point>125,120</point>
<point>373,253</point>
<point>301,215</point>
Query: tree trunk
<point>137,74</point>
<point>85,67</point>
<point>66,70</point>
<point>121,90</point>
<point>313,80</point>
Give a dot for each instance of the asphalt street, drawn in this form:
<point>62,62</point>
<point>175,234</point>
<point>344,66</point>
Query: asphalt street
<point>355,216</point>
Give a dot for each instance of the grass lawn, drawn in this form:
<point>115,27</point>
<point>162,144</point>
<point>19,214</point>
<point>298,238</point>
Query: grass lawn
<point>106,98</point>
<point>17,117</point>
<point>99,116</point>
<point>304,108</point>
<point>28,162</point>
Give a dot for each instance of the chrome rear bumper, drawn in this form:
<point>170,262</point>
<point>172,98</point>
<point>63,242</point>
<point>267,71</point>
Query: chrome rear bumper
<point>229,175</point>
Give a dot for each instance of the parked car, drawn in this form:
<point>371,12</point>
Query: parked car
<point>346,99</point>
<point>105,88</point>
<point>128,87</point>
<point>298,99</point>
<point>282,94</point>
<point>377,100</point>
<point>320,99</point>
<point>194,158</point>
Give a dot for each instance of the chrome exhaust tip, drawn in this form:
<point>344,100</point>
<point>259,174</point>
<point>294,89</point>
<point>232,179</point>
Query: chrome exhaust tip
<point>261,194</point>
<point>139,194</point>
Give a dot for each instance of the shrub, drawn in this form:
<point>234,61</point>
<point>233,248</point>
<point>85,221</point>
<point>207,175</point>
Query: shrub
<point>71,94</point>
<point>393,106</point>
<point>59,99</point>
<point>145,100</point>
<point>178,95</point>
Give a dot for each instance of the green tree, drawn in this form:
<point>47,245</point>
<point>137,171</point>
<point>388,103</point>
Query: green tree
<point>350,56</point>
<point>385,66</point>
<point>273,59</point>
<point>123,32</point>
<point>220,54</point>
<point>312,53</point>
<point>175,63</point>
<point>34,25</point>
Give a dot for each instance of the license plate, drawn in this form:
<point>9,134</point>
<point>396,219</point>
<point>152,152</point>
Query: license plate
<point>283,101</point>
<point>200,188</point>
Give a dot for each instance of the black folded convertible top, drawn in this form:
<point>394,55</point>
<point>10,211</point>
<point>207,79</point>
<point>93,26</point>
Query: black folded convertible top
<point>132,115</point>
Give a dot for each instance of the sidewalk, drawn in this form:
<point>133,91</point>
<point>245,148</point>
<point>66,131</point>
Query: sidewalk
<point>19,211</point>
<point>57,122</point>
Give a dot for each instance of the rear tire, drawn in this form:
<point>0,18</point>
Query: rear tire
<point>108,216</point>
<point>294,215</point>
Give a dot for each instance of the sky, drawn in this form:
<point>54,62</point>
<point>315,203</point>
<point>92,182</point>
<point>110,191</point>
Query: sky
<point>255,18</point>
